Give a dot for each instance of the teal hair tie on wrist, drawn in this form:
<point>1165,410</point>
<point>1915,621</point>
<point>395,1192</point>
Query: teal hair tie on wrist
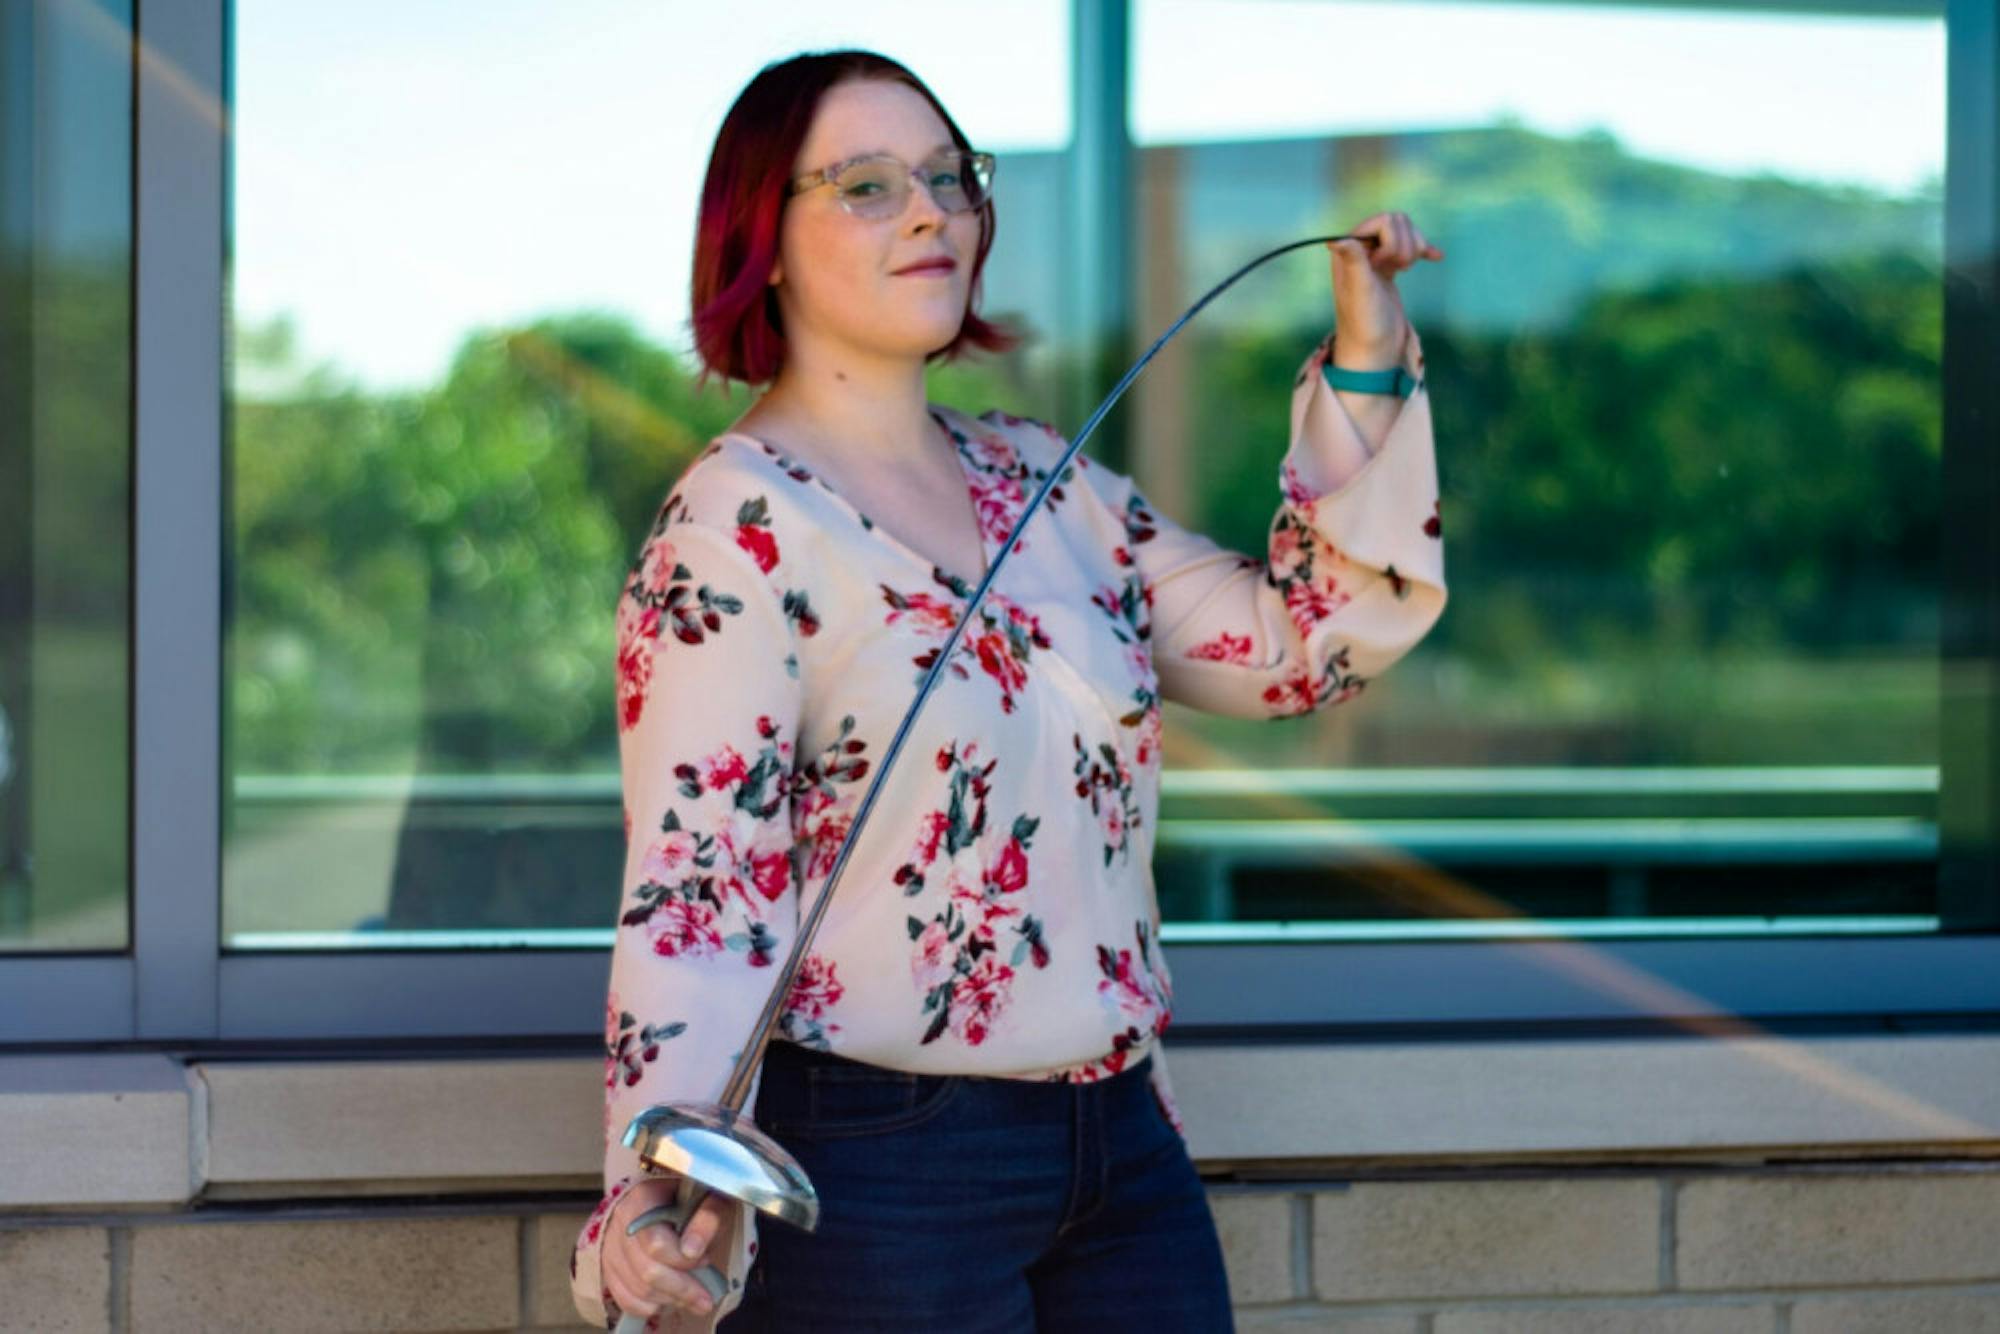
<point>1395,380</point>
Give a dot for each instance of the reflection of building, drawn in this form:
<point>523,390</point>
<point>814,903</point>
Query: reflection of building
<point>1450,973</point>
<point>1203,211</point>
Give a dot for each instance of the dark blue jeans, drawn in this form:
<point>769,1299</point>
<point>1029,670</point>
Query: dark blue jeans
<point>980,1205</point>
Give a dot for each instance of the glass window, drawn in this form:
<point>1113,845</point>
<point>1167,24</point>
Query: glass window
<point>1686,356</point>
<point>460,383</point>
<point>65,474</point>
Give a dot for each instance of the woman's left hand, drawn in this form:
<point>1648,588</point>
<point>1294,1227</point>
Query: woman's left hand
<point>1370,322</point>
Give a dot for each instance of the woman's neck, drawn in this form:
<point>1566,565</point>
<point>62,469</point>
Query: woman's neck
<point>874,429</point>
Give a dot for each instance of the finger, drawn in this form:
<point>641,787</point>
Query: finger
<point>1354,249</point>
<point>665,1257</point>
<point>631,1299</point>
<point>629,1271</point>
<point>701,1229</point>
<point>1363,239</point>
<point>658,1278</point>
<point>625,1275</point>
<point>1430,251</point>
<point>680,1288</point>
<point>1385,251</point>
<point>660,1244</point>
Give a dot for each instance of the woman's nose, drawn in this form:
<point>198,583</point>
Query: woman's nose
<point>923,200</point>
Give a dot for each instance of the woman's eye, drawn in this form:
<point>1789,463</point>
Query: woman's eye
<point>865,185</point>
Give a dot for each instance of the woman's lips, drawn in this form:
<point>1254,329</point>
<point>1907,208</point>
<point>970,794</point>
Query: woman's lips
<point>937,270</point>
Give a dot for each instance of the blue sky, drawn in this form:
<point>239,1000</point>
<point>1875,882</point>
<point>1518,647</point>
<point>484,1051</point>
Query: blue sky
<point>406,172</point>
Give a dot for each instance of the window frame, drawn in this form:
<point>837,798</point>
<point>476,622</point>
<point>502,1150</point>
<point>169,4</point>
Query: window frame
<point>176,985</point>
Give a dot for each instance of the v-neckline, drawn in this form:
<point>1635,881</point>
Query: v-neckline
<point>963,588</point>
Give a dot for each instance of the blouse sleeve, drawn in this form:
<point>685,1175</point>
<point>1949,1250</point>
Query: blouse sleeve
<point>1351,578</point>
<point>708,702</point>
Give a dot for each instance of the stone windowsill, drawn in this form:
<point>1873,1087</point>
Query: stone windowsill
<point>148,1131</point>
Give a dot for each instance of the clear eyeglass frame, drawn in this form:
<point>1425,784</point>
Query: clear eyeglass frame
<point>891,204</point>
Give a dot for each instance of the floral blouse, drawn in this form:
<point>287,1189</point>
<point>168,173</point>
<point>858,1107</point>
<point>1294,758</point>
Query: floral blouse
<point>770,639</point>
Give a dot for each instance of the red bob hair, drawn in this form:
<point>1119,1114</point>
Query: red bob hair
<point>736,320</point>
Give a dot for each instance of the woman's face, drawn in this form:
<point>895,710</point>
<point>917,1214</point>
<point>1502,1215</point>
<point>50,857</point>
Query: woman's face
<point>835,272</point>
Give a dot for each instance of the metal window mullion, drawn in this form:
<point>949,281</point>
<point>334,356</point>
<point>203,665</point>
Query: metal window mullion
<point>178,299</point>
<point>1969,703</point>
<point>1097,288</point>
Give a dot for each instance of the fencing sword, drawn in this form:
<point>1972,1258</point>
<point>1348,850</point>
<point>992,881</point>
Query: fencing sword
<point>716,1146</point>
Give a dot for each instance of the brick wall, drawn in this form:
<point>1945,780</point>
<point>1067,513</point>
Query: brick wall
<point>1813,1249</point>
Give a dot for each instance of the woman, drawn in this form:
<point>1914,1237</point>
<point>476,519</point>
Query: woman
<point>968,1064</point>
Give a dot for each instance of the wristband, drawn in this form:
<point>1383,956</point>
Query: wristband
<point>1395,380</point>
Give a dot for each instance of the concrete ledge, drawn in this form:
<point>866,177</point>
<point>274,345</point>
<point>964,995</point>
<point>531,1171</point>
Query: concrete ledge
<point>296,1121</point>
<point>1477,1102</point>
<point>143,1130</point>
<point>95,1129</point>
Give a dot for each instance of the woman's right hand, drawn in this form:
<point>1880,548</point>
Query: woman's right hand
<point>648,1271</point>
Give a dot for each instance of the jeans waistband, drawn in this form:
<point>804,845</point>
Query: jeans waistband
<point>783,1053</point>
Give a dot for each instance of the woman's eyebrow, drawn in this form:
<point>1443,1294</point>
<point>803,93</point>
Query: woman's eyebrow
<point>883,152</point>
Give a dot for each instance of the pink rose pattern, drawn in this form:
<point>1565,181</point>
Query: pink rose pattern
<point>694,883</point>
<point>1136,989</point>
<point>998,645</point>
<point>820,820</point>
<point>1224,647</point>
<point>660,594</point>
<point>1314,576</point>
<point>593,1226</point>
<point>704,890</point>
<point>627,1050</point>
<point>1129,609</point>
<point>1003,481</point>
<point>815,991</point>
<point>1305,568</point>
<point>1105,781</point>
<point>955,963</point>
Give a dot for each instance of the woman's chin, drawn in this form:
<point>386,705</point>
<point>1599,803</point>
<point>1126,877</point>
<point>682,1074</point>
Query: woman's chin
<point>918,340</point>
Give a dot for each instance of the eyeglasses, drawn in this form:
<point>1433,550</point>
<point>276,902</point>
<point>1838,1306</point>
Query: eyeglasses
<point>877,186</point>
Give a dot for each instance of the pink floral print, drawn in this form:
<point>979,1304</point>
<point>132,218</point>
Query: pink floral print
<point>997,645</point>
<point>964,985</point>
<point>1105,781</point>
<point>692,880</point>
<point>997,914</point>
<point>815,991</point>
